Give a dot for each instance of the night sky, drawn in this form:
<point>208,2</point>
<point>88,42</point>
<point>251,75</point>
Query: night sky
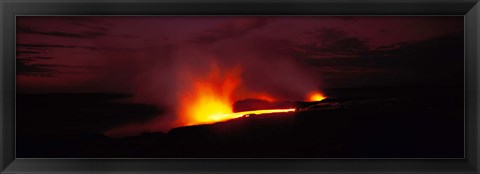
<point>284,57</point>
<point>105,54</point>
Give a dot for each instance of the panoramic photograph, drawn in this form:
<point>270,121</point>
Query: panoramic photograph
<point>239,87</point>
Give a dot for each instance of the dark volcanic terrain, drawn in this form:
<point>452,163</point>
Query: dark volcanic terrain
<point>420,122</point>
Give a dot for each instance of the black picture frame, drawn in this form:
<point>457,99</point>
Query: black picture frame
<point>11,8</point>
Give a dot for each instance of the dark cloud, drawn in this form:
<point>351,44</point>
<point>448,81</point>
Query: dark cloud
<point>439,47</point>
<point>27,52</point>
<point>342,47</point>
<point>332,42</point>
<point>27,66</point>
<point>42,57</point>
<point>84,34</point>
<point>433,61</point>
<point>27,60</point>
<point>231,29</point>
<point>39,58</point>
<point>34,58</point>
<point>327,35</point>
<point>48,46</point>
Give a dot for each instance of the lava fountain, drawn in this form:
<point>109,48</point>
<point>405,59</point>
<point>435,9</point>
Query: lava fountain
<point>210,98</point>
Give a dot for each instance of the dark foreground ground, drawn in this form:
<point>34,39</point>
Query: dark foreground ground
<point>421,122</point>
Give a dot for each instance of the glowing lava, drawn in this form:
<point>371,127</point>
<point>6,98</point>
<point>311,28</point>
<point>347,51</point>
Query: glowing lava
<point>211,101</point>
<point>266,111</point>
<point>210,98</point>
<point>224,117</point>
<point>316,96</point>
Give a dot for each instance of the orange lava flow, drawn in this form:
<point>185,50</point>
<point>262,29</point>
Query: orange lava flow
<point>265,111</point>
<point>234,115</point>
